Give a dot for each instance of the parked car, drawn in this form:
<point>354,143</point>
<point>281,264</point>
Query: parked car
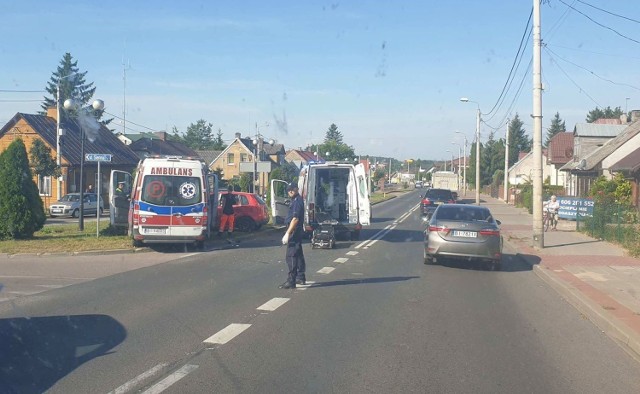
<point>418,184</point>
<point>464,232</point>
<point>433,198</point>
<point>69,205</point>
<point>251,211</point>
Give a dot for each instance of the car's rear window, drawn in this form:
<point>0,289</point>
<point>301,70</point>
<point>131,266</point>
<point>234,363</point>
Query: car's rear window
<point>462,213</point>
<point>259,199</point>
<point>439,194</point>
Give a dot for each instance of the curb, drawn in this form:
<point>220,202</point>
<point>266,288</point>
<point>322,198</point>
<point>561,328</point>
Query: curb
<point>628,339</point>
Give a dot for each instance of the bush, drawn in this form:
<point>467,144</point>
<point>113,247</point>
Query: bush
<point>21,209</point>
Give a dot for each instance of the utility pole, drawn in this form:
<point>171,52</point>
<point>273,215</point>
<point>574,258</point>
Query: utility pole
<point>506,165</point>
<point>478,156</point>
<point>538,234</point>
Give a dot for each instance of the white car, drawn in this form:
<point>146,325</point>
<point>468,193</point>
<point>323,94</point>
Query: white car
<point>69,205</point>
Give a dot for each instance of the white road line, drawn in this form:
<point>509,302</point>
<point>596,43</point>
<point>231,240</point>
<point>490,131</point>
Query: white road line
<point>326,270</point>
<point>352,253</point>
<point>378,236</point>
<point>138,379</point>
<point>365,241</point>
<point>305,287</point>
<point>171,379</point>
<point>273,304</point>
<point>341,260</point>
<point>226,334</point>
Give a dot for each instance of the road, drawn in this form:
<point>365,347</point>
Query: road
<point>375,320</point>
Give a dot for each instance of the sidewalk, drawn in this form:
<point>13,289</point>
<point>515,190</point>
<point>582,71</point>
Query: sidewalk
<point>595,276</point>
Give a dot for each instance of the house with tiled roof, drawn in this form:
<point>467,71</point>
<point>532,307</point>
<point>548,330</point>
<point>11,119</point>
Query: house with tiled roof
<point>301,158</point>
<point>559,153</point>
<point>30,127</point>
<point>521,172</point>
<point>243,156</point>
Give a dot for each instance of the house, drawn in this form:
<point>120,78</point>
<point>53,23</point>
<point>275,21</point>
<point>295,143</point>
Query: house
<point>588,137</point>
<point>559,153</point>
<point>301,158</point>
<point>522,171</point>
<point>239,157</point>
<point>31,127</point>
<point>208,155</point>
<point>159,143</point>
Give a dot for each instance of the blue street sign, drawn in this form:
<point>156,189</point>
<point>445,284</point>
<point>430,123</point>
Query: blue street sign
<point>97,157</point>
<point>572,207</point>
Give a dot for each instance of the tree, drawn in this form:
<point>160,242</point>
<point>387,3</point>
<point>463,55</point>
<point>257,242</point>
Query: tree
<point>557,126</point>
<point>42,163</point>
<point>21,208</point>
<point>245,181</point>
<point>199,135</point>
<point>606,113</point>
<point>518,140</point>
<point>218,142</point>
<point>72,86</point>
<point>333,135</point>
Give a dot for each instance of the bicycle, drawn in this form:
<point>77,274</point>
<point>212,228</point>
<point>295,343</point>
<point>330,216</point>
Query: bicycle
<point>549,218</point>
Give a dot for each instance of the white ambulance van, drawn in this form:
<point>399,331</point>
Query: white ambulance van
<point>336,192</point>
<point>171,200</point>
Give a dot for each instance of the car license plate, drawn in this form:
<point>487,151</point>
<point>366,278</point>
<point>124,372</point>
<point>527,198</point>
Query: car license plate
<point>438,202</point>
<point>465,234</point>
<point>154,230</point>
<point>56,210</point>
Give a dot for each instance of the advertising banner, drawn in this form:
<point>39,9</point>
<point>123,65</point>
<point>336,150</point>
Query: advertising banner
<point>571,207</point>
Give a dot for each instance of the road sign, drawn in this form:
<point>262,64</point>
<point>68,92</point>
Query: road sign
<point>97,157</point>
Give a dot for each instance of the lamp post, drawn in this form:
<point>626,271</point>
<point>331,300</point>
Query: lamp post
<point>464,164</point>
<point>97,105</point>
<point>445,162</point>
<point>506,165</point>
<point>478,118</point>
<point>59,133</point>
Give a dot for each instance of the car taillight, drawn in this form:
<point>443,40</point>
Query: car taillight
<point>311,210</point>
<point>136,214</point>
<point>440,229</point>
<point>490,232</point>
<point>426,201</point>
<point>205,215</point>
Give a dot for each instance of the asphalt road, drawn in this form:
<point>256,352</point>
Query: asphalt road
<point>378,320</point>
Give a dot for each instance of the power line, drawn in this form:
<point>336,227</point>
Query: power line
<point>599,24</point>
<point>574,82</point>
<point>593,52</point>
<point>515,98</point>
<point>591,72</point>
<point>129,121</point>
<point>519,55</point>
<point>608,12</point>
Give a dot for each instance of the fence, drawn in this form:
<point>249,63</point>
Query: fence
<point>612,222</point>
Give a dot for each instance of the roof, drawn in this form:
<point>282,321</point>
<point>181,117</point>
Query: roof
<point>561,148</point>
<point>596,157</point>
<point>306,155</point>
<point>106,142</point>
<point>597,130</point>
<point>273,149</point>
<point>208,155</point>
<point>154,146</point>
<point>630,162</point>
<point>608,121</point>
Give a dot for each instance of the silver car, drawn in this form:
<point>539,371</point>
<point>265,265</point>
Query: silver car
<point>69,205</point>
<point>465,232</point>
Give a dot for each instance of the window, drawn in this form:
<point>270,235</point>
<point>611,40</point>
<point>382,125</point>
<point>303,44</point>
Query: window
<point>230,159</point>
<point>243,200</point>
<point>171,190</point>
<point>244,157</point>
<point>44,185</point>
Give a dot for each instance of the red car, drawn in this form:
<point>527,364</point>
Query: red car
<point>251,211</point>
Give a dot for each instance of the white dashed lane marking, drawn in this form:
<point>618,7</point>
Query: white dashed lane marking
<point>273,304</point>
<point>171,379</point>
<point>326,270</point>
<point>352,253</point>
<point>226,334</point>
<point>341,260</point>
<point>305,287</point>
<point>125,388</point>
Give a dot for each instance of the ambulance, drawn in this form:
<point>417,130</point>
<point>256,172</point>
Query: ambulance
<point>170,200</point>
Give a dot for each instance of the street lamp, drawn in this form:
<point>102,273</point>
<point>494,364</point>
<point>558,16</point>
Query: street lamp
<point>97,105</point>
<point>478,118</point>
<point>464,164</point>
<point>59,133</point>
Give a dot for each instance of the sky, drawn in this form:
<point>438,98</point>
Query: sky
<point>389,74</point>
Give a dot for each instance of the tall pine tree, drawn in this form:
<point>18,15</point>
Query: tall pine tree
<point>518,140</point>
<point>605,113</point>
<point>557,126</point>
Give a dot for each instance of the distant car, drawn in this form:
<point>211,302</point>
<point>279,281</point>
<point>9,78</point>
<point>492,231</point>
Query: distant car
<point>251,211</point>
<point>418,184</point>
<point>464,232</point>
<point>433,198</point>
<point>69,205</point>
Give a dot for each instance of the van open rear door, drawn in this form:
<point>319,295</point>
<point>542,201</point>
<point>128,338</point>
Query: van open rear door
<point>213,199</point>
<point>119,198</point>
<point>364,206</point>
<point>279,201</point>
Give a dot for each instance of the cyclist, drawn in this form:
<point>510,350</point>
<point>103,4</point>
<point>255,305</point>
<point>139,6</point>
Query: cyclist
<point>552,206</point>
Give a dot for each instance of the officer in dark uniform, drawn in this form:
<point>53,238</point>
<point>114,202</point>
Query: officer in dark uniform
<point>293,239</point>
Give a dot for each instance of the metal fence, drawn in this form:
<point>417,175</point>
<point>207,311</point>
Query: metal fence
<point>612,222</point>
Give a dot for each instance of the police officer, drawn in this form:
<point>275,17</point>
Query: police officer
<point>293,239</point>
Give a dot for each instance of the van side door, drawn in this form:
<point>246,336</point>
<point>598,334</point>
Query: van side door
<point>364,205</point>
<point>119,202</point>
<point>279,201</point>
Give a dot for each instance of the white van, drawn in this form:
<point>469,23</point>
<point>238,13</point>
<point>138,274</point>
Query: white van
<point>171,200</point>
<point>331,192</point>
